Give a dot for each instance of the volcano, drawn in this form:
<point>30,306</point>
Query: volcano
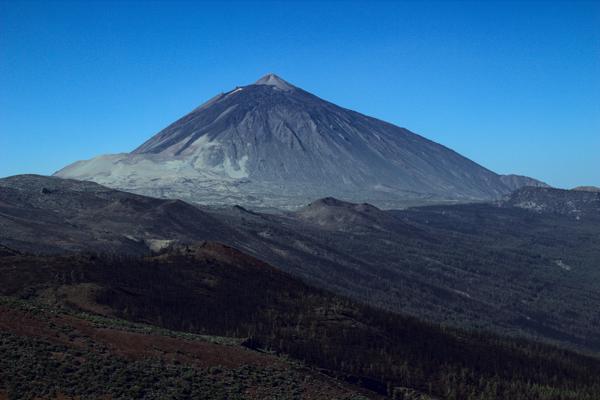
<point>272,144</point>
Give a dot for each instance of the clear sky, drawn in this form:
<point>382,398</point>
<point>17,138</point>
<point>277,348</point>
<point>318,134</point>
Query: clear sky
<point>515,86</point>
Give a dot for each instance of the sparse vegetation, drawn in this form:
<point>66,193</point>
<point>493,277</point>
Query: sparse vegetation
<point>53,352</point>
<point>214,290</point>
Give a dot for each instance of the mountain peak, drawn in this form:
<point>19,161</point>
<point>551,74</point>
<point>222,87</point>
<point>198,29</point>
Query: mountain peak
<point>271,144</point>
<point>275,81</point>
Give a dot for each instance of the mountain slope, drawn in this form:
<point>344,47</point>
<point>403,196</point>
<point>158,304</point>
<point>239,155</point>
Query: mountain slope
<point>46,214</point>
<point>211,289</point>
<point>57,352</point>
<point>273,144</point>
<point>501,268</point>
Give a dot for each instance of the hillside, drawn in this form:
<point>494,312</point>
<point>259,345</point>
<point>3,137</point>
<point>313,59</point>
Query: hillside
<point>58,353</point>
<point>482,266</point>
<point>495,268</point>
<point>45,214</point>
<point>214,290</point>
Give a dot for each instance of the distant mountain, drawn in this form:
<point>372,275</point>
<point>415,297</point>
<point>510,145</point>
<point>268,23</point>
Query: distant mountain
<point>578,203</point>
<point>271,144</point>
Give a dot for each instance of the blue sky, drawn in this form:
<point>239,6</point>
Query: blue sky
<point>515,86</point>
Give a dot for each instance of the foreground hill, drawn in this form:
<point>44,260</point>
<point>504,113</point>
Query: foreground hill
<point>271,144</point>
<point>211,289</point>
